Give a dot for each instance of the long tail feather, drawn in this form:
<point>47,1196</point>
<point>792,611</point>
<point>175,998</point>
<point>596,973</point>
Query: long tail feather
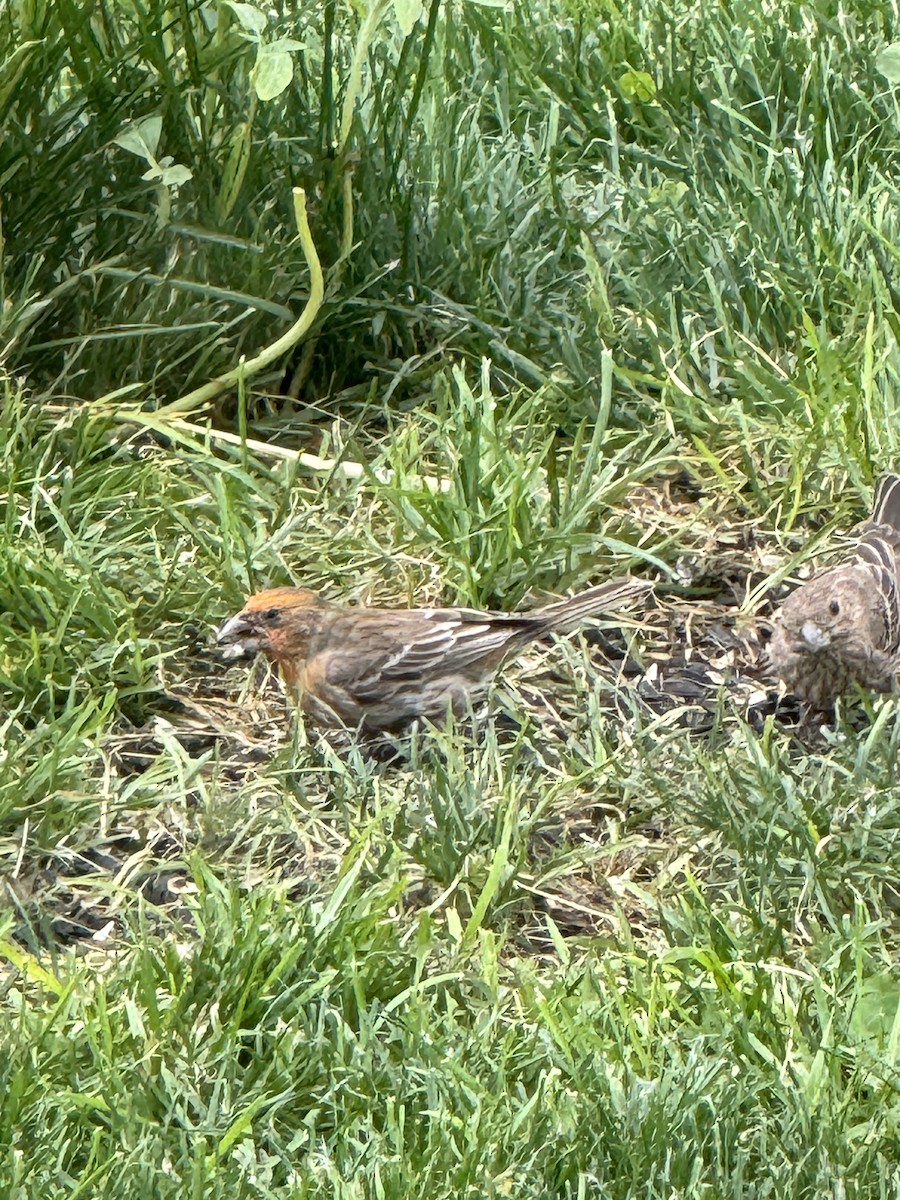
<point>594,601</point>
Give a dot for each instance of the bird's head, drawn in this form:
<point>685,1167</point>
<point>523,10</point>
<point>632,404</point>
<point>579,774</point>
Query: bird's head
<point>277,622</point>
<point>831,609</point>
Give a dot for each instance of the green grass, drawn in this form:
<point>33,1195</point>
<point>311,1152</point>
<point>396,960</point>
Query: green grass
<point>621,296</point>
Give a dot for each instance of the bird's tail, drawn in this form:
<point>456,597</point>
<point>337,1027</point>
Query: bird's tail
<point>887,503</point>
<point>594,601</point>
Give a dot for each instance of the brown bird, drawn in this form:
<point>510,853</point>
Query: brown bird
<point>378,669</point>
<point>842,627</point>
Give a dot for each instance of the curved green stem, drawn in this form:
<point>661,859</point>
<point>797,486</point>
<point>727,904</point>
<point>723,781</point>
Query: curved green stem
<point>246,369</point>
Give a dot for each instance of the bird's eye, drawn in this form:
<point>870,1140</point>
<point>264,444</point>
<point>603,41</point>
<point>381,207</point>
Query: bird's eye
<point>834,608</point>
<point>270,615</point>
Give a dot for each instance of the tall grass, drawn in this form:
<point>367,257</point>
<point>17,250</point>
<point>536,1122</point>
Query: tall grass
<point>535,205</point>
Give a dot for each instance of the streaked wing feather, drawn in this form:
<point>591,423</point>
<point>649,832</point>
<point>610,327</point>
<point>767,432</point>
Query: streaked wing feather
<point>387,665</point>
<point>461,647</point>
<point>886,510</point>
<point>435,642</point>
<point>880,557</point>
<point>419,645</point>
<point>475,616</point>
<point>876,551</point>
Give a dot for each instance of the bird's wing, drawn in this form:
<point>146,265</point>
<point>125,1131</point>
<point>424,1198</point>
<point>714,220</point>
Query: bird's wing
<point>420,645</point>
<point>886,509</point>
<point>879,553</point>
<point>456,639</point>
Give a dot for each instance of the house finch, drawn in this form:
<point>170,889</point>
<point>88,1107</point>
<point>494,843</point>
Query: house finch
<point>842,627</point>
<point>378,669</point>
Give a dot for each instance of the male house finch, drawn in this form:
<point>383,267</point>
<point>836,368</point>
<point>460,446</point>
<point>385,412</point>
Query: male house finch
<point>842,627</point>
<point>378,669</point>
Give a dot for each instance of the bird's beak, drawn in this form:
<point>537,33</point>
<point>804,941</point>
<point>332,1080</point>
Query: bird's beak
<point>239,636</point>
<point>815,637</point>
<point>234,628</point>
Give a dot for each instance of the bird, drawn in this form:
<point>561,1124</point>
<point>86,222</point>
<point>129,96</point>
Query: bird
<point>378,670</point>
<point>841,629</point>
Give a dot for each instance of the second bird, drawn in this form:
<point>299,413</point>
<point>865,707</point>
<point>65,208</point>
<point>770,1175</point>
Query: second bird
<point>841,628</point>
<point>379,669</point>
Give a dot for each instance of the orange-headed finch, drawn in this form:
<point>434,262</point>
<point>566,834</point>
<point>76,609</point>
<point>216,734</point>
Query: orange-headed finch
<point>842,627</point>
<point>378,669</point>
